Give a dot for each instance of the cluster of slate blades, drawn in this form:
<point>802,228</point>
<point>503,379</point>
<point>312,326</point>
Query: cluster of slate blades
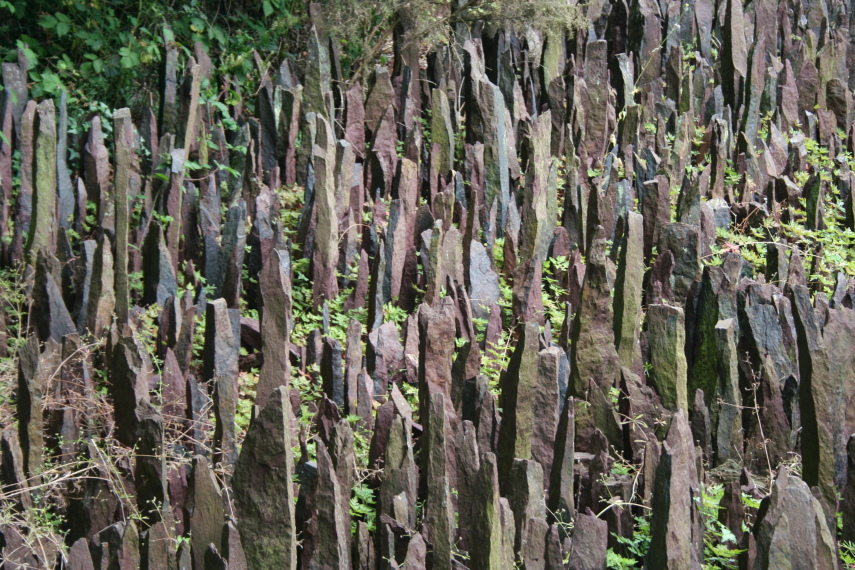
<point>731,370</point>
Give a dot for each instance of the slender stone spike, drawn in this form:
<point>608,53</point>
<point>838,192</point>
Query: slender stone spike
<point>728,420</point>
<point>676,536</point>
<point>276,318</point>
<point>210,221</point>
<point>508,525</point>
<point>533,557</point>
<point>221,369</point>
<point>385,355</point>
<point>102,298</point>
<point>353,367</point>
<point>491,130</point>
<point>233,251</point>
<point>547,403</point>
<point>43,226</point>
<point>436,347</point>
<point>233,548</point>
<point>598,105</point>
<point>536,230</point>
<point>397,236</point>
<point>289,129</point>
<point>716,302</point>
<point>485,548</point>
<point>171,203</point>
<point>838,334</point>
<point>416,557</point>
<point>189,132</point>
<point>213,560</point>
<point>628,289</point>
<point>129,373</point>
<point>399,472</point>
<point>365,398</point>
<point>590,542</point>
<point>442,130</point>
<point>207,517</point>
<point>438,506</point>
<point>332,372</point>
<point>325,252</point>
<point>159,280</point>
<point>317,90</point>
<point>49,314</point>
<point>818,399</point>
<point>595,357</point>
<point>342,454</point>
<point>383,156</point>
<point>847,503</point>
<point>184,557</point>
<point>791,529</point>
<point>26,144</point>
<point>484,289</point>
<point>64,187</point>
<point>526,499</point>
<point>666,337</point>
<point>169,88</point>
<point>561,495</point>
<point>12,474</point>
<point>333,532</point>
<point>97,174</point>
<point>35,372</point>
<point>433,268</point>
<point>157,550</point>
<point>125,181</point>
<point>655,200</point>
<point>15,83</point>
<point>364,557</point>
<point>7,128</point>
<point>683,241</point>
<point>79,557</point>
<point>82,282</point>
<point>263,488</point>
<point>518,403</point>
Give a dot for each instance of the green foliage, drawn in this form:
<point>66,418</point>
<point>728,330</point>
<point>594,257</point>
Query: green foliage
<point>111,50</point>
<point>618,562</point>
<point>639,544</point>
<point>719,541</point>
<point>847,554</point>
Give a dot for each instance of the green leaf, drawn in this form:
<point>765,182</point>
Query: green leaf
<point>62,28</point>
<point>48,22</point>
<point>268,8</point>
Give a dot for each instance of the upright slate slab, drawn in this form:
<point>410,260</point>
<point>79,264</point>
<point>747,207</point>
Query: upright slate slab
<point>595,357</point>
<point>43,227</point>
<point>791,530</point>
<point>275,327</point>
<point>819,399</point>
<point>221,371</point>
<point>126,184</point>
<point>518,403</point>
<point>628,289</point>
<point>676,537</point>
<point>666,338</point>
<point>263,487</point>
<point>438,504</point>
<point>325,253</point>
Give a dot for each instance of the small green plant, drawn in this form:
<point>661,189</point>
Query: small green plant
<point>719,542</point>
